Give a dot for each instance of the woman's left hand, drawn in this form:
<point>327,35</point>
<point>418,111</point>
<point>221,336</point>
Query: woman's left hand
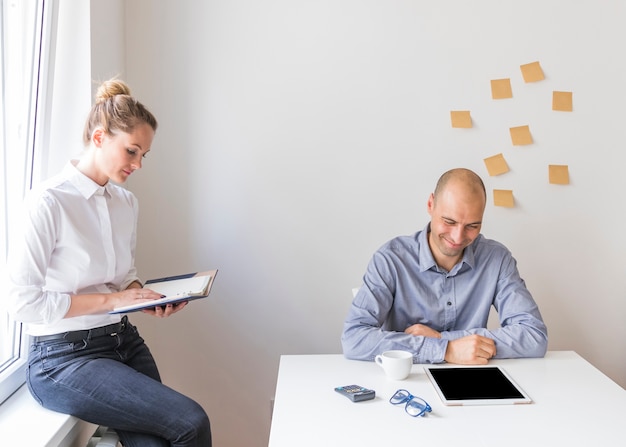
<point>165,311</point>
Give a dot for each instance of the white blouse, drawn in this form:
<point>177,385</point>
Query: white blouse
<point>75,237</point>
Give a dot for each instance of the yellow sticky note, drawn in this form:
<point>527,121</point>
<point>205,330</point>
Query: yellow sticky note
<point>496,165</point>
<point>521,136</point>
<point>501,89</point>
<point>532,72</point>
<point>559,174</point>
<point>503,197</point>
<point>461,119</point>
<point>562,101</point>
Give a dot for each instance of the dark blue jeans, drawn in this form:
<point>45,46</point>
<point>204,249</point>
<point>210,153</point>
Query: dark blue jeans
<point>112,380</point>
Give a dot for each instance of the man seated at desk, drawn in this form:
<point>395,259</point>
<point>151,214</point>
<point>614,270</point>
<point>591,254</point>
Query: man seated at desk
<point>431,293</point>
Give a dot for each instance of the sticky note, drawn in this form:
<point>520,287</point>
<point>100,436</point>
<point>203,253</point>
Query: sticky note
<point>558,174</point>
<point>461,119</point>
<point>503,197</point>
<point>501,89</point>
<point>532,72</point>
<point>496,165</point>
<point>521,136</point>
<point>562,101</point>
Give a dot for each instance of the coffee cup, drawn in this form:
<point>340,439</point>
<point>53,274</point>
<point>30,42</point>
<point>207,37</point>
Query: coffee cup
<point>397,364</point>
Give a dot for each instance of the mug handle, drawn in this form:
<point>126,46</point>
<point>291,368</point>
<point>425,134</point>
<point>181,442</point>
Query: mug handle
<point>379,359</point>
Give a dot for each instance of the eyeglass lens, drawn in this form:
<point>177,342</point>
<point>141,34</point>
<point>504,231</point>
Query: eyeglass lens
<point>400,396</point>
<point>416,408</point>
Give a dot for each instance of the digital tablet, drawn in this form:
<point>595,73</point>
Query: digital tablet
<point>475,385</point>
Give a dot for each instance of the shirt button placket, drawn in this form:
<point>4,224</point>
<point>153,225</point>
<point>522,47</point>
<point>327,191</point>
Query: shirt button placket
<point>106,230</point>
<point>449,311</point>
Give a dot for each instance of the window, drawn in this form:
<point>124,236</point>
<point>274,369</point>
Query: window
<point>25,30</point>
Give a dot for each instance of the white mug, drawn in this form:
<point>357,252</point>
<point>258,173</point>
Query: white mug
<point>397,364</point>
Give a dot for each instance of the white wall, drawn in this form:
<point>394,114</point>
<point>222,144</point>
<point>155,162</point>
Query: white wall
<point>108,41</point>
<point>298,136</point>
<point>89,49</point>
<point>71,97</point>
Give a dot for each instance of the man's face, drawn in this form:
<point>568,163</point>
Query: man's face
<point>456,219</point>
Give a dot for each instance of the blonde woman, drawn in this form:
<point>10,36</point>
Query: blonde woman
<point>74,262</point>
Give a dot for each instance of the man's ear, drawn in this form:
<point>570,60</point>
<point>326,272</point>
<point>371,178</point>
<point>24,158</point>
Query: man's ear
<point>431,204</point>
<point>97,137</point>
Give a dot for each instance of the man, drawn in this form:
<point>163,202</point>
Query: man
<point>431,293</point>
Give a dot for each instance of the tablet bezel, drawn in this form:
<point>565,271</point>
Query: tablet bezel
<point>479,401</point>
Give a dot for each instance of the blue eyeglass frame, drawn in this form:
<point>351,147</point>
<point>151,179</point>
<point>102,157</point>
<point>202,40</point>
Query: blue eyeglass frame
<point>413,403</point>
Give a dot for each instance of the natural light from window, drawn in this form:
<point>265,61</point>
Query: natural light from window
<point>20,38</point>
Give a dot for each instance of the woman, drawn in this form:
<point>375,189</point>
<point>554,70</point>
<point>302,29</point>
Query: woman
<point>72,264</point>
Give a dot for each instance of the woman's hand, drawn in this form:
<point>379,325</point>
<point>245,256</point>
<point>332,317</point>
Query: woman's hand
<point>98,303</point>
<point>166,310</point>
<point>139,295</point>
<point>133,295</point>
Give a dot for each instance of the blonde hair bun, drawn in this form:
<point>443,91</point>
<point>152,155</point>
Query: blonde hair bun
<point>116,110</point>
<point>111,88</point>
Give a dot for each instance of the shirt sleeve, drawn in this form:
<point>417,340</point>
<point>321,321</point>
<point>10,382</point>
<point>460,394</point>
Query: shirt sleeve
<point>522,332</point>
<point>364,334</point>
<point>30,252</point>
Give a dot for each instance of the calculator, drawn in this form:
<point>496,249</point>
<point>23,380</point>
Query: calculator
<point>356,393</point>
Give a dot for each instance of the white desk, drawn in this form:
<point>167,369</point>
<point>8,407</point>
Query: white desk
<point>574,405</point>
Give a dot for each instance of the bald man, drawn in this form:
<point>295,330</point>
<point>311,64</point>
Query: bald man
<point>431,293</point>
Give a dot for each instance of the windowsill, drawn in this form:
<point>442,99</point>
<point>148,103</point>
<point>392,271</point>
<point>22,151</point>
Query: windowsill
<point>24,422</point>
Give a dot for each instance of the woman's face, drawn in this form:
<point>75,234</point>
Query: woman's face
<point>120,154</point>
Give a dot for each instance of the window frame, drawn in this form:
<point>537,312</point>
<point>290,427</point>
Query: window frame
<point>12,372</point>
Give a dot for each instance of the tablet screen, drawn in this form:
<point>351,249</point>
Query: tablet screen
<point>475,385</point>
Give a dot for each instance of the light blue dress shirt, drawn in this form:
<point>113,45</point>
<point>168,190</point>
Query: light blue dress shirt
<point>404,286</point>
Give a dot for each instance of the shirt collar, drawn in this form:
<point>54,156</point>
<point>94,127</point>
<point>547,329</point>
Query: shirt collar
<point>425,256</point>
<point>86,186</point>
<point>427,260</point>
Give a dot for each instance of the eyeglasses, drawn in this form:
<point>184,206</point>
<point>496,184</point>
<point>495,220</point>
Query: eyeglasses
<point>415,406</point>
